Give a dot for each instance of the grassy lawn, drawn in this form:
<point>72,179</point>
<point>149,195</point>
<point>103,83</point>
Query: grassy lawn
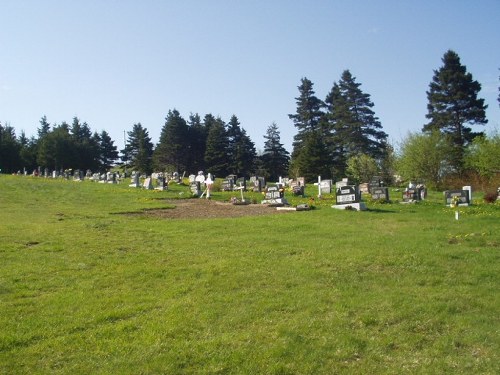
<point>85,289</point>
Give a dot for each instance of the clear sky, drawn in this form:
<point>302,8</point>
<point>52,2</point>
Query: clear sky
<point>116,63</point>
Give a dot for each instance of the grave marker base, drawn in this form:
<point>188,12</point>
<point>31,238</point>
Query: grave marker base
<point>353,206</point>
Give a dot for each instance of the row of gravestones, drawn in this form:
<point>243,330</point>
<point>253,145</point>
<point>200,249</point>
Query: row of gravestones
<point>161,179</point>
<point>346,193</point>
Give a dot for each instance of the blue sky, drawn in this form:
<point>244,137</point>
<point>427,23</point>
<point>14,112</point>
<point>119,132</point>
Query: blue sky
<point>116,63</point>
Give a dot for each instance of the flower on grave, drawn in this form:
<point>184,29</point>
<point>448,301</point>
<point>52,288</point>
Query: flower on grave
<point>455,201</point>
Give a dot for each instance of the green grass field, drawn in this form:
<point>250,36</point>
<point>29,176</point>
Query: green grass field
<point>85,289</point>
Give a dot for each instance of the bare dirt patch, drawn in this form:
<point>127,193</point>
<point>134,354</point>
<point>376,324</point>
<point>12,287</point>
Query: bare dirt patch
<point>207,209</point>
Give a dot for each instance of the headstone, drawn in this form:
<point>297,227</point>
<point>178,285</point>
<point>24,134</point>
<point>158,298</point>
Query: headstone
<point>456,197</point>
<point>347,194</point>
<point>349,197</point>
<point>411,195</point>
<point>364,188</point>
<point>375,182</point>
<point>227,184</point>
<point>257,185</point>
<point>326,186</point>
<point>160,183</point>
<point>134,181</point>
<point>200,177</point>
<point>298,186</point>
<point>342,183</point>
<point>148,184</point>
<point>469,191</point>
<point>241,183</point>
<point>422,191</point>
<point>380,193</point>
<point>298,190</point>
<point>275,196</point>
<point>195,188</point>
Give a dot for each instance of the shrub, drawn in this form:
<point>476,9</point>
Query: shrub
<point>490,197</point>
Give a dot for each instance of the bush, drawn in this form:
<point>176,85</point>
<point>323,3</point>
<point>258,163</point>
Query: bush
<point>490,197</point>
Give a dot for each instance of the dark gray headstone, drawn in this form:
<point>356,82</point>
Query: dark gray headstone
<point>348,194</point>
<point>461,195</point>
<point>380,193</point>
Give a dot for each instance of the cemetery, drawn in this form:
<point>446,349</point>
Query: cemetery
<point>116,263</point>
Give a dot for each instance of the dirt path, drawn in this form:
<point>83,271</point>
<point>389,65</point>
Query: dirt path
<point>206,209</point>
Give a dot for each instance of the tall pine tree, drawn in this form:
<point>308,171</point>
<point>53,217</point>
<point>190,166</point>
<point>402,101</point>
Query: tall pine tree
<point>241,149</point>
<point>197,138</point>
<point>355,128</point>
<point>171,153</point>
<point>307,120</point>
<point>216,154</point>
<point>453,105</point>
<point>139,149</point>
<point>108,152</point>
<point>275,158</point>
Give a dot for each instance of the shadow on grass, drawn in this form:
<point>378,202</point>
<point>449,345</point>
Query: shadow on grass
<point>141,211</point>
<point>381,211</point>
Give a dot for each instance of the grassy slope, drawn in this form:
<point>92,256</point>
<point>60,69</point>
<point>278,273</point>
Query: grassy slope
<point>398,289</point>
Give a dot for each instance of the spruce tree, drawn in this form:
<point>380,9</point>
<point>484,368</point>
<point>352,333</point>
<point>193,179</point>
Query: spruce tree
<point>355,128</point>
<point>139,149</point>
<point>197,139</point>
<point>307,120</point>
<point>10,159</point>
<point>275,158</point>
<point>108,152</point>
<point>453,105</point>
<point>56,149</point>
<point>241,149</point>
<point>244,155</point>
<point>312,161</point>
<point>44,128</point>
<point>308,115</point>
<point>216,154</point>
<point>171,153</point>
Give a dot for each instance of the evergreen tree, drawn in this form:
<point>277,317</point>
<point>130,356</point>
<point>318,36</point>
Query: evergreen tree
<point>453,105</point>
<point>354,126</point>
<point>85,147</point>
<point>244,155</point>
<point>216,154</point>
<point>108,152</point>
<point>138,151</point>
<point>44,128</point>
<point>308,116</point>
<point>312,161</point>
<point>10,158</point>
<point>307,120</point>
<point>56,149</point>
<point>241,149</point>
<point>28,151</point>
<point>275,158</point>
<point>171,153</point>
<point>197,138</point>
<point>233,138</point>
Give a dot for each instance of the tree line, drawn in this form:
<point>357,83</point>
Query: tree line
<point>335,137</point>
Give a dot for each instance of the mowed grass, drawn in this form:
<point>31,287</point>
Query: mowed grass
<point>86,289</point>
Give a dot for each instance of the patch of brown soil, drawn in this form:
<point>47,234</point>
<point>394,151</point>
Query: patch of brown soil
<point>207,209</point>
